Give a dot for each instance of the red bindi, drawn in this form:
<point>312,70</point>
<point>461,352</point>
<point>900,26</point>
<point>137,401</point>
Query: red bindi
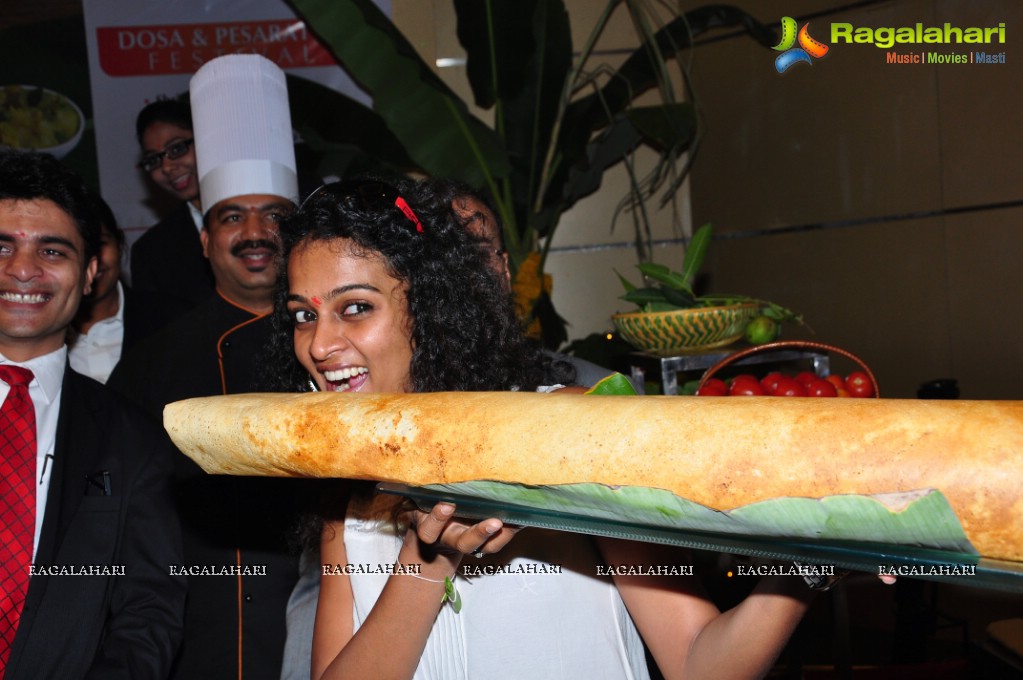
<point>316,301</point>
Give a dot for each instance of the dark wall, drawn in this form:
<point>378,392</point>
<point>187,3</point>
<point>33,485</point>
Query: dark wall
<point>884,201</point>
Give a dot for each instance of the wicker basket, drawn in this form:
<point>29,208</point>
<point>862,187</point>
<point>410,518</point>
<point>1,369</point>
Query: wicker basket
<point>685,330</point>
<point>802,345</point>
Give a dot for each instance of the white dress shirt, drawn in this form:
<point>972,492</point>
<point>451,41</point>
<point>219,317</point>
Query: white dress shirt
<point>196,216</point>
<point>45,388</point>
<point>97,352</point>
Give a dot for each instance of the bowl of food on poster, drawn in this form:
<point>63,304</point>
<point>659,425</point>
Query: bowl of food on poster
<point>38,119</point>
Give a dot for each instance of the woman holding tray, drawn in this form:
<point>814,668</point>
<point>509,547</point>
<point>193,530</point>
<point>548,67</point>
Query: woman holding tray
<point>384,291</point>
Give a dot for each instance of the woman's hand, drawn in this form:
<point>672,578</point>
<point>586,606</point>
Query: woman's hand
<point>456,538</point>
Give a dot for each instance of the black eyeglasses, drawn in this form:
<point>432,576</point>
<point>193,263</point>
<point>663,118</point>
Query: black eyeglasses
<point>367,195</point>
<point>173,151</point>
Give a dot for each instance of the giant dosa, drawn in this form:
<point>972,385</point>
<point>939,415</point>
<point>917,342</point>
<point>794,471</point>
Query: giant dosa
<point>720,452</point>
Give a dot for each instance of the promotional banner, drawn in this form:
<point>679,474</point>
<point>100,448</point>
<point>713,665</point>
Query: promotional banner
<point>142,51</point>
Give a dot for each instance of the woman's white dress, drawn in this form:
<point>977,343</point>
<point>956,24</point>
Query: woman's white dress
<point>520,625</point>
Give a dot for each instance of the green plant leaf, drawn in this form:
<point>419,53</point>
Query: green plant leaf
<point>668,126</point>
<point>608,148</point>
<point>661,274</point>
<point>660,306</point>
<point>680,298</point>
<point>430,121</point>
<point>626,284</point>
<point>519,53</point>
<point>639,73</point>
<point>696,250</point>
<point>642,296</point>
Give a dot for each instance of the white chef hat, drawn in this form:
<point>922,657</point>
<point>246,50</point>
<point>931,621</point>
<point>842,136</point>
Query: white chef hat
<point>242,129</point>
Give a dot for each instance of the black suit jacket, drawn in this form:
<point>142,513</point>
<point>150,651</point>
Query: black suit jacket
<point>108,625</point>
<point>168,270</point>
<point>217,348</point>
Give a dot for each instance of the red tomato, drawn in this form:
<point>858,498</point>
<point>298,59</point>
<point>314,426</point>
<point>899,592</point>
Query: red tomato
<point>804,378</point>
<point>821,388</point>
<point>836,380</point>
<point>713,388</point>
<point>746,388</point>
<point>858,384</point>
<point>770,381</point>
<point>788,387</point>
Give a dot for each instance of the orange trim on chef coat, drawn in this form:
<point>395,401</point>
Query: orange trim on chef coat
<point>220,341</point>
<point>223,390</point>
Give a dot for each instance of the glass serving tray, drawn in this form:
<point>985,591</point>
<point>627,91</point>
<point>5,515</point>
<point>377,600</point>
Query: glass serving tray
<point>907,562</point>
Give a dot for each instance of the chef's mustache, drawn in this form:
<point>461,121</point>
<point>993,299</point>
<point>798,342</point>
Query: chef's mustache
<point>254,244</point>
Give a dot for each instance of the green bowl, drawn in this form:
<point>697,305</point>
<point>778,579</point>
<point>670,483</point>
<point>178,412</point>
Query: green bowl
<point>685,330</point>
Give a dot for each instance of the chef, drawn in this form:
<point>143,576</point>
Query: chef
<point>239,568</point>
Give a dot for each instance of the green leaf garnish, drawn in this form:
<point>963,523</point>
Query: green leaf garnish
<point>615,384</point>
<point>451,595</point>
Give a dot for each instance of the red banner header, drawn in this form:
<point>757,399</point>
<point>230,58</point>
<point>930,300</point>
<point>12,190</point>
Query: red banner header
<point>183,48</point>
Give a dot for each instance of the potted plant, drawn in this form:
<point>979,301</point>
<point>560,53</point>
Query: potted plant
<point>561,119</point>
<point>673,319</point>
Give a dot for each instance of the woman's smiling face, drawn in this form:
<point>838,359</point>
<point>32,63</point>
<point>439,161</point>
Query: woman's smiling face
<point>352,330</point>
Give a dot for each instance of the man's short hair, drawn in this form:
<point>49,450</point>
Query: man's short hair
<point>175,110</point>
<point>105,216</point>
<point>31,176</point>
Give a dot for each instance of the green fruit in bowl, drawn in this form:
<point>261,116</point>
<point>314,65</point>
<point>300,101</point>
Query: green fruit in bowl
<point>761,329</point>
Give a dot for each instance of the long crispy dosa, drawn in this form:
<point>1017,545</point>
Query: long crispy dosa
<point>722,453</point>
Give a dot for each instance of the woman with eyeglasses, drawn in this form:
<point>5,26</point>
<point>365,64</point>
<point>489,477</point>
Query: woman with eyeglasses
<point>385,291</point>
<point>168,268</point>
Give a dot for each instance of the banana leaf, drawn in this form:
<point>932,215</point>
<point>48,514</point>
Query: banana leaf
<point>436,128</point>
<point>637,74</point>
<point>518,57</point>
<point>921,520</point>
<point>342,133</point>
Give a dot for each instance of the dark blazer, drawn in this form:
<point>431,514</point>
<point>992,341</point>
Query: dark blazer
<point>104,626</point>
<point>142,318</point>
<point>217,348</point>
<point>168,269</point>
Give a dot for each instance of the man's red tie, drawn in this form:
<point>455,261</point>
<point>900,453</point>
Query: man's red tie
<point>17,501</point>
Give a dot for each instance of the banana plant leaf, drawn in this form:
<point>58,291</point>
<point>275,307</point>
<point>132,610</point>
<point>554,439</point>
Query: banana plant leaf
<point>543,154</point>
<point>436,128</point>
<point>342,132</point>
<point>637,75</point>
<point>518,57</point>
<point>670,126</point>
<point>923,520</point>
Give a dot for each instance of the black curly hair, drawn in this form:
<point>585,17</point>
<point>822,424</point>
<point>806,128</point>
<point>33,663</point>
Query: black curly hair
<point>464,333</point>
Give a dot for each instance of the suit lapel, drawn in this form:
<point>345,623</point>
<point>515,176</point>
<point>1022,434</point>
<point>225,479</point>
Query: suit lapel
<point>78,438</point>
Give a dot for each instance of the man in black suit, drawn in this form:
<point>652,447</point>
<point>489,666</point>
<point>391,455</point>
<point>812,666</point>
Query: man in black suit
<point>99,599</point>
<point>167,263</point>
